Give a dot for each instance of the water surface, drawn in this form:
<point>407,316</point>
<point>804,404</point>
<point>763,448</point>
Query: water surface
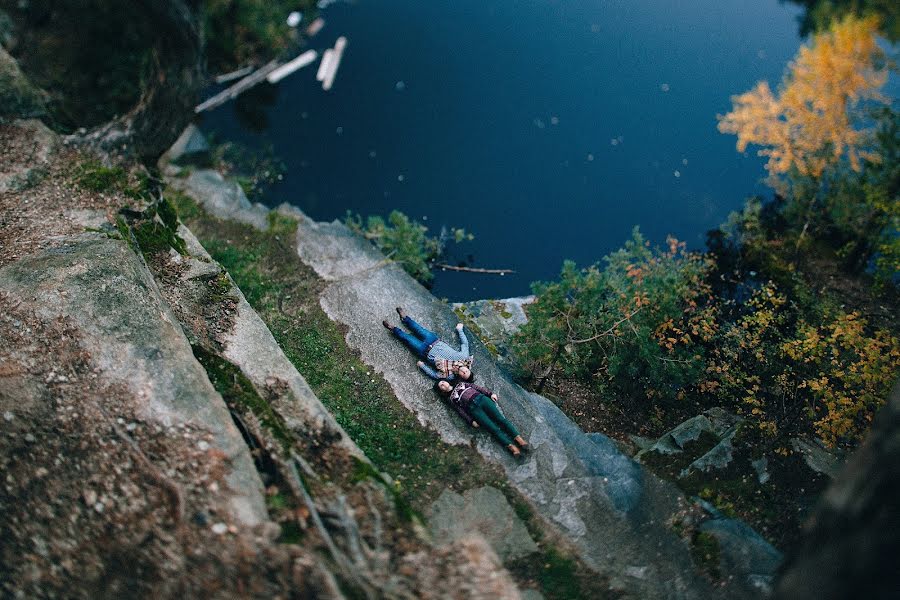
<point>546,128</point>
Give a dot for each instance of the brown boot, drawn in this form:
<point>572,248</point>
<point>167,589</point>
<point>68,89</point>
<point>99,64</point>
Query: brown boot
<point>522,443</point>
<point>401,312</point>
<point>387,325</point>
<point>514,450</point>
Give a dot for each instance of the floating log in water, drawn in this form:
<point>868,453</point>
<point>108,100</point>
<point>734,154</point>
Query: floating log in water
<point>475,269</point>
<point>226,77</point>
<point>237,89</point>
<point>327,57</point>
<point>289,67</point>
<point>334,63</point>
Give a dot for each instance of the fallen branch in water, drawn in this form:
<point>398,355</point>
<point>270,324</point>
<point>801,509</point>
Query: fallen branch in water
<point>475,269</point>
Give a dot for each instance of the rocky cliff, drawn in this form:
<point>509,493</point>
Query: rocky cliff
<point>625,523</point>
<point>156,440</point>
<point>197,398</point>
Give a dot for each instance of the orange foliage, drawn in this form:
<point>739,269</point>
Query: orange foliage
<point>809,125</point>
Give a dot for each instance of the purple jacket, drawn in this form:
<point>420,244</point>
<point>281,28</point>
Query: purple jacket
<point>461,397</point>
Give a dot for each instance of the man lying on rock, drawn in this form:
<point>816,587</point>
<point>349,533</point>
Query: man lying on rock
<point>447,363</point>
<point>478,406</point>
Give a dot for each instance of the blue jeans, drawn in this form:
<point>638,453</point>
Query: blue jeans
<point>418,343</point>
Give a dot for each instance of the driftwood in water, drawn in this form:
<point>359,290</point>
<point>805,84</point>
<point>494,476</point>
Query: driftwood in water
<point>475,269</point>
<point>331,60</point>
<point>229,77</point>
<point>238,88</point>
<point>289,67</point>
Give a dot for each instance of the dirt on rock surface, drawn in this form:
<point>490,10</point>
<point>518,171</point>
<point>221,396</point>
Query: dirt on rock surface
<point>96,499</point>
<point>97,502</point>
<point>38,202</point>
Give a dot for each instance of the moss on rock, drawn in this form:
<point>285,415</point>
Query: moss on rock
<point>240,394</point>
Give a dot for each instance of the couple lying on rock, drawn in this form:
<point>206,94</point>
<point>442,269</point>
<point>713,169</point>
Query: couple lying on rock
<point>452,369</point>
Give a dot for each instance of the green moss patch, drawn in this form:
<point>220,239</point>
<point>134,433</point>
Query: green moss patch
<point>152,231</point>
<point>243,401</point>
<point>184,207</point>
<point>239,393</point>
<point>500,308</point>
<point>468,319</point>
<point>153,236</point>
<point>93,176</point>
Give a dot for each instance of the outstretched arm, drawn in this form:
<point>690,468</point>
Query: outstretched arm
<point>463,340</point>
<point>429,371</point>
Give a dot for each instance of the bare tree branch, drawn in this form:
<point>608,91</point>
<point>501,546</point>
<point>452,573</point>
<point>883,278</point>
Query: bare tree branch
<point>608,331</point>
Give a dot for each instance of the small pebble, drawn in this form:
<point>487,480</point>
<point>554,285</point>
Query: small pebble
<point>219,528</point>
<point>203,445</point>
<point>8,416</point>
<point>99,507</point>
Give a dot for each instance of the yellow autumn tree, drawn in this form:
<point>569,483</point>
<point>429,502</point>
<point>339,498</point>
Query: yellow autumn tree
<point>810,123</point>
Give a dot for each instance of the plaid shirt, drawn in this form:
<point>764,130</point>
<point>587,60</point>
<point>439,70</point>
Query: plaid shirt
<point>448,360</point>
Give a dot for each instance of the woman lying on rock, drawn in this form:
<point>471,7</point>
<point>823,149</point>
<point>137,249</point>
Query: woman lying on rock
<point>448,363</point>
<point>478,406</point>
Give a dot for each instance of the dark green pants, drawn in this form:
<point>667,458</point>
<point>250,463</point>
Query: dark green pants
<point>485,411</point>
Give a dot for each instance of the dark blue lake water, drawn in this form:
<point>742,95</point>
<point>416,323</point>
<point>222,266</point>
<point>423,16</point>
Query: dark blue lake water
<point>546,128</point>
